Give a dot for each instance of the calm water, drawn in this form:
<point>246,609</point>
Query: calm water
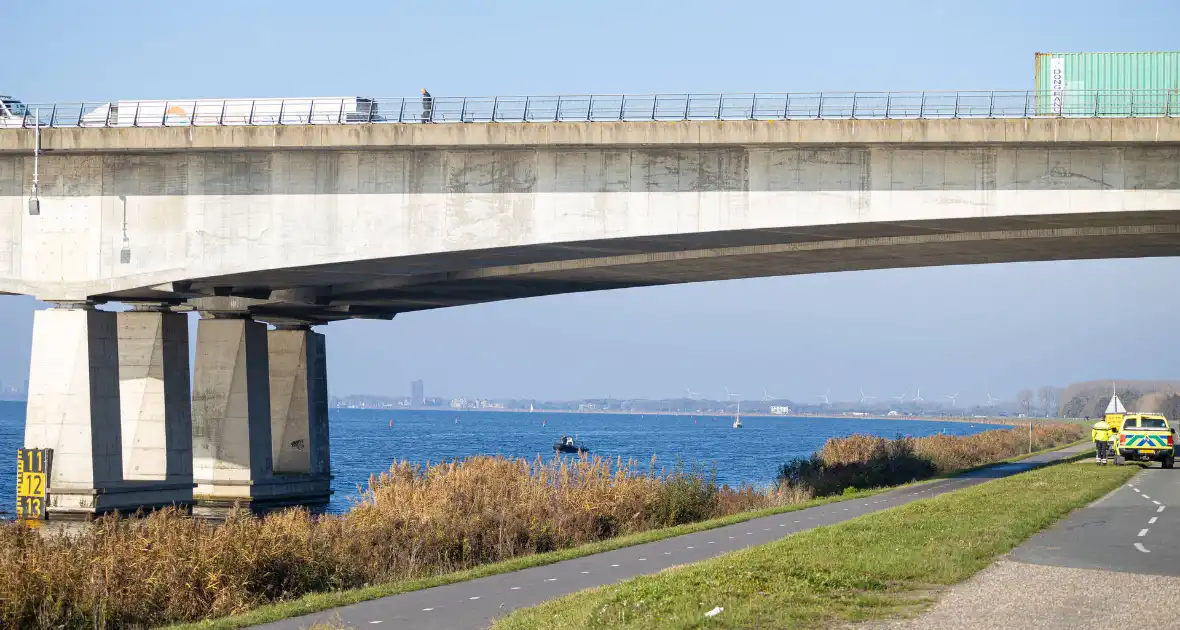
<point>363,441</point>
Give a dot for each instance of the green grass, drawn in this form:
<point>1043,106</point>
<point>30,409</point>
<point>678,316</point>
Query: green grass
<point>317,602</point>
<point>886,564</point>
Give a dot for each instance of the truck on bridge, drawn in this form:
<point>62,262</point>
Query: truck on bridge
<point>332,110</point>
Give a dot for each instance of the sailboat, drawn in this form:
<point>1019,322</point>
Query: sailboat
<point>737,421</point>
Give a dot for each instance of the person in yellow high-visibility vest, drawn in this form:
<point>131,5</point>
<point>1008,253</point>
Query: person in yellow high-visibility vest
<point>1100,433</point>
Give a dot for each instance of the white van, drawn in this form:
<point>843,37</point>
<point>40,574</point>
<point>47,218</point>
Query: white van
<point>13,112</point>
<point>211,112</point>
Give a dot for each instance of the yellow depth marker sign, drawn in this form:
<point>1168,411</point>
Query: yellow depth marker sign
<point>32,480</point>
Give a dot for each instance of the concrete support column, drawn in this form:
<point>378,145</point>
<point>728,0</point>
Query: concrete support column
<point>299,402</point>
<point>231,413</point>
<point>74,409</point>
<point>154,393</point>
<point>73,405</point>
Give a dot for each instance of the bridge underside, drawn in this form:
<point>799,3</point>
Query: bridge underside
<point>386,287</point>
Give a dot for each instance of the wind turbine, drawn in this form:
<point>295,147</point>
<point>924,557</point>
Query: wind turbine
<point>918,397</point>
<point>991,400</point>
<point>691,394</point>
<point>900,399</point>
<point>767,397</point>
<point>953,397</point>
<point>864,398</point>
<point>824,396</point>
<point>729,396</point>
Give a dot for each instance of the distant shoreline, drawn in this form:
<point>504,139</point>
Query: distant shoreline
<point>960,419</point>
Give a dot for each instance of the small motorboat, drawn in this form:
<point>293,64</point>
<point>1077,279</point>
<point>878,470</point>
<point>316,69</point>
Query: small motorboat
<point>568,444</point>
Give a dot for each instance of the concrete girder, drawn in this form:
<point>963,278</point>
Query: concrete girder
<point>284,312</point>
<point>260,224</point>
<point>935,133</point>
<point>1026,242</point>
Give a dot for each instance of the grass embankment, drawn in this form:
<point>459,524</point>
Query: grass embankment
<point>871,567</point>
<point>413,528</point>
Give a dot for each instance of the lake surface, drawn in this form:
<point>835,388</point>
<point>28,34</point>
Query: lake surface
<point>363,442</point>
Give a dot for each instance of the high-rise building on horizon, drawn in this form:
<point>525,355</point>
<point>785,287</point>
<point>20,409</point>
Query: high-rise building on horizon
<point>418,393</point>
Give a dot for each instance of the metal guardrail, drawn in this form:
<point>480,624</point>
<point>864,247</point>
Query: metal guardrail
<point>607,108</point>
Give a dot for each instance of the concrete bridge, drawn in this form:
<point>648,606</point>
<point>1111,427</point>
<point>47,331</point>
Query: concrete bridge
<point>304,225</point>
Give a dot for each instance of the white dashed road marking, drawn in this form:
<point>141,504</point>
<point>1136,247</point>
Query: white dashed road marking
<point>1161,509</point>
<point>1154,501</point>
<point>614,565</point>
<point>377,621</point>
<point>427,609</point>
<point>642,559</point>
<point>585,573</point>
<point>551,580</point>
<point>691,547</point>
<point>517,588</point>
<point>1143,532</point>
<point>476,597</point>
<point>1146,497</point>
<point>1153,520</point>
<point>1140,547</point>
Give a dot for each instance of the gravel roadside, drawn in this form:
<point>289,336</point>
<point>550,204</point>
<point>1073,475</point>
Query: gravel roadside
<point>1015,594</point>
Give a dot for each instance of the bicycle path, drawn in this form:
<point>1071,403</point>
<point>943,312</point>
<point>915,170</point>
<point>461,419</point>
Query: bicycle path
<point>477,603</point>
<point>1121,545</point>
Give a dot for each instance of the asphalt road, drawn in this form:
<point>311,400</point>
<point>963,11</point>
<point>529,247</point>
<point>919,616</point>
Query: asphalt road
<point>477,603</point>
<point>1133,529</point>
<point>1123,544</point>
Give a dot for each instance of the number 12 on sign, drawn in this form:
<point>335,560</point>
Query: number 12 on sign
<point>32,476</point>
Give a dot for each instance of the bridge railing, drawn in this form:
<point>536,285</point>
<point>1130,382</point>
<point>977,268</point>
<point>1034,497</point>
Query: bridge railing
<point>606,108</point>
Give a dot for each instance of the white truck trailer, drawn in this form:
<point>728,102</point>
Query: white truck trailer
<point>332,110</point>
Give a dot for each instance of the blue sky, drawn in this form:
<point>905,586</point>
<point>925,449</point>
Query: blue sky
<point>944,329</point>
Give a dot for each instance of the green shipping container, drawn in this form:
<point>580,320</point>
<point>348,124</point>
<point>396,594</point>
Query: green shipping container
<point>1108,84</point>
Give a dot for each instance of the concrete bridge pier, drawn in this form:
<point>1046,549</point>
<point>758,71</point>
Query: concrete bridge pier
<point>74,408</point>
<point>233,426</point>
<point>155,409</point>
<point>300,447</point>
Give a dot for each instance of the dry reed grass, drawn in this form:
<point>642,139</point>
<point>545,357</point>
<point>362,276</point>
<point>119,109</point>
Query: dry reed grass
<point>866,461</point>
<point>411,521</point>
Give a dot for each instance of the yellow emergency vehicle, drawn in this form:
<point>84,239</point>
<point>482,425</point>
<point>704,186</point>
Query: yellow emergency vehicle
<point>1144,437</point>
<point>1139,437</point>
